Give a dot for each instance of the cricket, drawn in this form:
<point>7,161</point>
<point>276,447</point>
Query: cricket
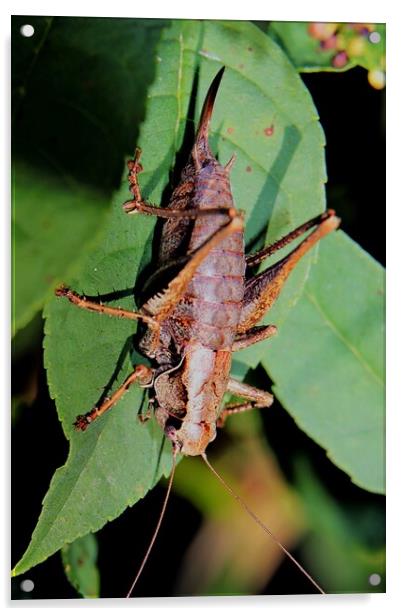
<point>202,305</point>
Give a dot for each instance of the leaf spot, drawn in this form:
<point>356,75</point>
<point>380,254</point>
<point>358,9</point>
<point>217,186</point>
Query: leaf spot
<point>269,130</point>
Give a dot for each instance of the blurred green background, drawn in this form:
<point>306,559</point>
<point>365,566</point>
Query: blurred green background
<point>82,70</point>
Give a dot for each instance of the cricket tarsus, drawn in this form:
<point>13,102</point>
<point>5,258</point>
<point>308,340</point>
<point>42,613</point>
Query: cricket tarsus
<point>156,531</point>
<point>260,523</point>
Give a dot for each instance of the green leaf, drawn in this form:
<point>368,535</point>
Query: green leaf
<point>78,97</point>
<point>327,361</point>
<point>307,55</point>
<point>345,545</point>
<point>279,175</point>
<point>79,562</point>
<point>54,222</point>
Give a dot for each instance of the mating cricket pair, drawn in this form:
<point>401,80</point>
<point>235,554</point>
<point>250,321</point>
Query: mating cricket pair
<point>209,308</point>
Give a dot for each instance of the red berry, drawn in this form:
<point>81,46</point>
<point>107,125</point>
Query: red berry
<point>329,43</point>
<point>340,59</point>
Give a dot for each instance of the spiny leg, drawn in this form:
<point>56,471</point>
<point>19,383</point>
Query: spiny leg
<point>253,335</point>
<point>134,207</point>
<point>256,398</point>
<point>82,302</point>
<point>261,255</point>
<point>141,373</point>
<point>263,289</point>
<point>134,168</point>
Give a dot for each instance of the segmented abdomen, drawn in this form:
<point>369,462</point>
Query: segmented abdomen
<point>211,305</point>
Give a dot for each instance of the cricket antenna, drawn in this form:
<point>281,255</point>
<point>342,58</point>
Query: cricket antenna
<point>156,531</point>
<point>259,522</point>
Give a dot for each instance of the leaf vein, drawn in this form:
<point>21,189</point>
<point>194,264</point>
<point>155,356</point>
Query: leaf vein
<point>313,300</point>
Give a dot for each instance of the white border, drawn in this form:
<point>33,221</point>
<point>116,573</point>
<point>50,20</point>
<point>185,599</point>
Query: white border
<point>341,10</point>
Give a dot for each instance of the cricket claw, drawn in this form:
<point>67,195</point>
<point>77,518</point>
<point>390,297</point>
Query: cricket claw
<point>81,423</point>
<point>61,291</point>
<point>130,207</point>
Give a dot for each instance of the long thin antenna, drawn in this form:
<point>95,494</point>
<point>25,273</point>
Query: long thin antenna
<point>156,531</point>
<point>259,522</point>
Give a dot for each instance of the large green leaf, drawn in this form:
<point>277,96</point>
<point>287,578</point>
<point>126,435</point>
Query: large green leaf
<point>266,115</point>
<point>327,362</point>
<point>55,220</point>
<point>78,97</point>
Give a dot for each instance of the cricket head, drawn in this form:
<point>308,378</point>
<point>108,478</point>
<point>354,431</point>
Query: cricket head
<point>191,439</point>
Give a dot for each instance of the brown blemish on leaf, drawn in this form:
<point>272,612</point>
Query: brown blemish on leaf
<point>248,169</point>
<point>230,130</point>
<point>241,66</point>
<point>269,130</point>
<point>249,49</point>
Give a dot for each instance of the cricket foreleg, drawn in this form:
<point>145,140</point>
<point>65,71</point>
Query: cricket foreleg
<point>256,398</point>
<point>137,204</point>
<point>134,206</point>
<point>134,168</point>
<point>263,289</point>
<point>253,335</point>
<point>82,302</point>
<point>141,373</point>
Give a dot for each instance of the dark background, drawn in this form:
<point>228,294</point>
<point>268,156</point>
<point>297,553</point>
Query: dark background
<point>353,117</point>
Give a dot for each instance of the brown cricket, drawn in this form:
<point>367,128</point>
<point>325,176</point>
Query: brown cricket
<point>208,310</point>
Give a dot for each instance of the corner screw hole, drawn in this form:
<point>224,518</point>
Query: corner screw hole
<point>27,30</point>
<point>374,579</point>
<point>27,585</point>
<point>374,37</point>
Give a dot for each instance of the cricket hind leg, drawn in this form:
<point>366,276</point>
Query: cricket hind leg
<point>262,290</point>
<point>255,398</point>
<point>253,335</point>
<point>261,255</point>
